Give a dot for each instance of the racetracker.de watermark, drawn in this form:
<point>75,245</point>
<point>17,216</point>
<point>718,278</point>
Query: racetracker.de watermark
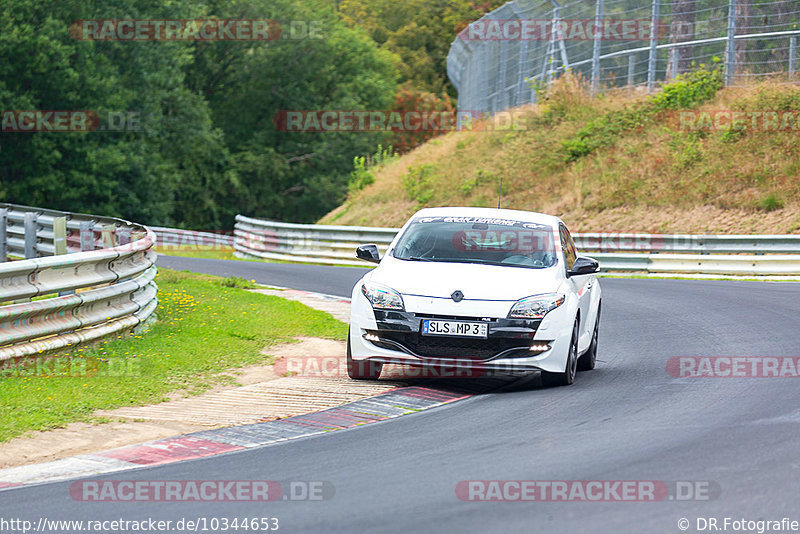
<point>76,367</point>
<point>563,30</point>
<point>734,366</point>
<point>730,120</point>
<point>398,121</point>
<point>194,240</point>
<point>586,490</point>
<point>200,490</point>
<point>176,30</point>
<point>610,241</point>
<point>334,367</point>
<point>64,121</point>
<point>517,240</point>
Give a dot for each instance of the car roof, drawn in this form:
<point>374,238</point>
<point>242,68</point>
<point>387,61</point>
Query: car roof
<point>515,215</point>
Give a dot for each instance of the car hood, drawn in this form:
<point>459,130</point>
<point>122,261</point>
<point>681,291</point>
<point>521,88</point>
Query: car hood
<point>475,281</point>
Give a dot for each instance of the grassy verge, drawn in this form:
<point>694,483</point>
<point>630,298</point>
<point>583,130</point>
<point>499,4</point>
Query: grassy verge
<point>194,251</point>
<point>206,325</point>
<point>227,254</point>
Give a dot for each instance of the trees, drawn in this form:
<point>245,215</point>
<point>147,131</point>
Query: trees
<point>206,148</point>
<point>127,173</point>
<point>417,32</point>
<point>290,175</point>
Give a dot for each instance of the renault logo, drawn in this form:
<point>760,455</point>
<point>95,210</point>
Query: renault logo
<point>457,296</point>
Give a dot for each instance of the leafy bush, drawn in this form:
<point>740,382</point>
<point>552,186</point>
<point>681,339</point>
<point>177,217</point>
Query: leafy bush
<point>360,177</point>
<point>417,183</point>
<point>688,90</point>
<point>364,166</point>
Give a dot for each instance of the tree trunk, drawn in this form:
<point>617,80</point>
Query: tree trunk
<point>682,29</point>
<point>743,24</point>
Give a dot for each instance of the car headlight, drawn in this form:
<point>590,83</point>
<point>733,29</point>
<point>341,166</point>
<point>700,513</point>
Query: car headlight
<point>536,306</point>
<point>382,297</point>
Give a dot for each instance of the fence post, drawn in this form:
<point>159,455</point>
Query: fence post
<point>551,46</point>
<point>87,236</point>
<point>484,106</point>
<point>792,55</point>
<point>651,62</point>
<point>59,236</point>
<point>598,23</point>
<point>502,76</point>
<point>730,45</point>
<point>3,235</point>
<point>30,235</point>
<point>523,56</point>
<point>631,69</point>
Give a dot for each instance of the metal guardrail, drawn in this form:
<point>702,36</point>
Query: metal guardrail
<point>255,238</point>
<point>100,282</point>
<point>650,253</point>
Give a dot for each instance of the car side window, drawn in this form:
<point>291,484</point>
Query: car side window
<point>568,246</point>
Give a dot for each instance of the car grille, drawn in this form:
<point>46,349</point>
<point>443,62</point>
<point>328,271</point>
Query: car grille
<point>452,347</point>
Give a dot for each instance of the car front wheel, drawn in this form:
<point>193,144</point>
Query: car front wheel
<point>568,376</point>
<point>589,359</point>
<point>361,369</point>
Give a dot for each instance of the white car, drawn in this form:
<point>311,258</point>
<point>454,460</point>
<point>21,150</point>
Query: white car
<point>478,289</point>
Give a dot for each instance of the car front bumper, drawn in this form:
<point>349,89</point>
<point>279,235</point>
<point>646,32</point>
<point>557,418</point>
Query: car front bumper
<point>394,337</point>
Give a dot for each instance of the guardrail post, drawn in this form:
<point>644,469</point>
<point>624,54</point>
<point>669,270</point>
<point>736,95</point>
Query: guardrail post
<point>730,45</point>
<point>124,236</point>
<point>59,236</point>
<point>30,235</point>
<point>792,55</point>
<point>87,236</point>
<point>60,244</point>
<point>598,23</point>
<point>631,69</point>
<point>108,235</point>
<point>651,62</point>
<point>3,235</point>
<point>674,54</point>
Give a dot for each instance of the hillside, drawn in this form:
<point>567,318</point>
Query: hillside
<point>620,162</point>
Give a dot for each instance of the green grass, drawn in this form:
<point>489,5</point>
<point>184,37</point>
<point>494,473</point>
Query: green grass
<point>227,254</point>
<point>191,251</point>
<point>206,325</point>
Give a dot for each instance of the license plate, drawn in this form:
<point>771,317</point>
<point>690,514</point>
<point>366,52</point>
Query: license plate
<point>454,328</point>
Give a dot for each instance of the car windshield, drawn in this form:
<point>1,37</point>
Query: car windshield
<point>481,240</point>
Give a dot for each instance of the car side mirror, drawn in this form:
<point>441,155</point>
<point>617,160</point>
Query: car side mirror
<point>368,253</point>
<point>584,265</point>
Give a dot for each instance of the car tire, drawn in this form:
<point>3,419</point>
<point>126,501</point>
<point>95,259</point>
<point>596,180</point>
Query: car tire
<point>361,369</point>
<point>568,376</point>
<point>589,358</point>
